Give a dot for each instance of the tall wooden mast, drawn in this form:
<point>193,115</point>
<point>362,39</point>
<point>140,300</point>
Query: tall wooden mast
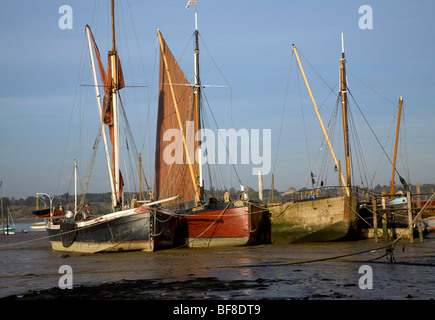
<point>197,95</point>
<point>100,108</point>
<point>343,92</point>
<point>325,133</point>
<point>395,147</point>
<point>114,67</point>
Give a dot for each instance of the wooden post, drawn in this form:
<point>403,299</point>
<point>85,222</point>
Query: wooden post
<point>7,222</point>
<point>384,218</point>
<point>375,220</point>
<point>419,222</point>
<point>140,176</point>
<point>1,207</point>
<point>260,186</point>
<point>3,223</point>
<point>410,226</point>
<point>273,187</point>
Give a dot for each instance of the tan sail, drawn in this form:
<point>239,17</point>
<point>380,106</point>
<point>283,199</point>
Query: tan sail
<point>175,174</point>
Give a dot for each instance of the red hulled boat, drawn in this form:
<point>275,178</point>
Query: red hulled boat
<point>201,222</point>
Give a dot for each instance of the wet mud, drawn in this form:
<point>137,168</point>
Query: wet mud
<point>30,270</point>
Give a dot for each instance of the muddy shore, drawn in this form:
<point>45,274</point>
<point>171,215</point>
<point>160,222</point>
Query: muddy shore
<point>30,270</point>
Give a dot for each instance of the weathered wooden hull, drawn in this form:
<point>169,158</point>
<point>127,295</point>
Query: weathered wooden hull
<point>224,224</point>
<point>323,219</point>
<point>136,229</point>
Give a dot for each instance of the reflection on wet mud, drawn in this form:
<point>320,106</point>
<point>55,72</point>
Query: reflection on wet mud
<point>30,269</point>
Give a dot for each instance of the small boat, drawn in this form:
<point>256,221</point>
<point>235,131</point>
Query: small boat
<point>39,225</point>
<point>45,213</point>
<point>8,228</point>
<point>429,223</point>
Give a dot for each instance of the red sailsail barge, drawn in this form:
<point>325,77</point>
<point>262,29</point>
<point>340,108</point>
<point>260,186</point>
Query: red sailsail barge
<point>201,223</point>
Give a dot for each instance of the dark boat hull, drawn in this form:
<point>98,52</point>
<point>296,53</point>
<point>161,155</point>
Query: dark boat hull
<point>135,230</point>
<point>224,224</point>
<point>45,213</point>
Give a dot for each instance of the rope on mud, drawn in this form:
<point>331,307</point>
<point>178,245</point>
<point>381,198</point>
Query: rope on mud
<point>23,242</point>
<point>340,256</point>
<point>389,253</point>
<point>280,264</point>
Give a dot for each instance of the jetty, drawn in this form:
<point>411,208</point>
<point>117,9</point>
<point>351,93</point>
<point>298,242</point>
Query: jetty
<point>400,216</point>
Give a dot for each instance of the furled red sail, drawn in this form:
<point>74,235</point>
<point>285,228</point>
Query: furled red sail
<point>172,173</point>
<point>107,112</point>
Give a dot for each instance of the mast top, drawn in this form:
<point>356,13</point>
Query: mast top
<point>342,45</point>
<point>113,25</point>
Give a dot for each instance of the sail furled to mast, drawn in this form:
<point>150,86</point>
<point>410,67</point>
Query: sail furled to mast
<point>175,165</point>
<point>108,83</point>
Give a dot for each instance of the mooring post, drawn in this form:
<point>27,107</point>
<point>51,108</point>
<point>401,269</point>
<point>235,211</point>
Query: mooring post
<point>410,226</point>
<point>384,218</point>
<point>419,221</point>
<point>375,220</point>
<point>260,186</point>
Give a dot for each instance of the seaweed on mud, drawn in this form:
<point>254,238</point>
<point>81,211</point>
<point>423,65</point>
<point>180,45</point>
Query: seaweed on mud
<point>196,288</point>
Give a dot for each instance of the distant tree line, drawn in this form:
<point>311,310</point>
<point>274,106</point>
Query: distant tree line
<point>100,203</point>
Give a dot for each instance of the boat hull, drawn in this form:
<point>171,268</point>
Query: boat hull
<point>45,213</point>
<point>224,224</point>
<point>313,220</point>
<point>127,231</point>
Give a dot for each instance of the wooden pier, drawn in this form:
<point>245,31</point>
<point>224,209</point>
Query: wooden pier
<point>387,217</point>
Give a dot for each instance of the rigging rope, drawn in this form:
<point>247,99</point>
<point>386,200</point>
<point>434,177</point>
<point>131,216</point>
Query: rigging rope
<point>305,128</point>
<point>130,136</point>
<point>371,129</point>
<point>283,111</point>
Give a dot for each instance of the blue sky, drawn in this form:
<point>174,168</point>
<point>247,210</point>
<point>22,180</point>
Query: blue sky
<point>42,104</point>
